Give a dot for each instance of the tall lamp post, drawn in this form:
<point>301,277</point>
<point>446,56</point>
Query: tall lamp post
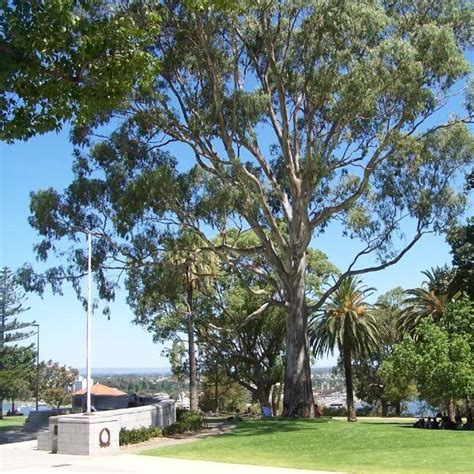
<point>89,324</point>
<point>37,363</point>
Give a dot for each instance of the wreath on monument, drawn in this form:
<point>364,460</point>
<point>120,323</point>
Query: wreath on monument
<point>104,438</point>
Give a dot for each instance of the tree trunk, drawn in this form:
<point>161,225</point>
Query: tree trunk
<point>275,399</point>
<point>298,395</point>
<point>398,409</point>
<point>351,413</point>
<point>451,412</point>
<point>216,390</point>
<point>263,396</point>
<point>276,396</point>
<point>13,406</point>
<point>193,389</point>
<point>384,408</point>
<point>468,411</point>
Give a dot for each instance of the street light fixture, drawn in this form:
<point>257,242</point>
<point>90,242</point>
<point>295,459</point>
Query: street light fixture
<point>37,364</point>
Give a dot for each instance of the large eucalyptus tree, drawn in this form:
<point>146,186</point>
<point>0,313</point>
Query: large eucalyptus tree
<point>308,114</point>
<point>311,113</point>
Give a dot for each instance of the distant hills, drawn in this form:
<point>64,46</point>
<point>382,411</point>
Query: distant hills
<point>101,371</point>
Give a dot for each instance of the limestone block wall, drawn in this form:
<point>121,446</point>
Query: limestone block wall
<point>99,432</point>
<point>87,435</point>
<point>45,441</point>
<point>158,414</point>
<point>40,418</point>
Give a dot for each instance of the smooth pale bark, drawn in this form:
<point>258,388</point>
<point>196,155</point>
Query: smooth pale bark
<point>298,395</point>
<point>193,389</point>
<point>351,413</point>
<point>275,397</point>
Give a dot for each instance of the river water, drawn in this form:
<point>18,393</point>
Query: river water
<point>24,407</point>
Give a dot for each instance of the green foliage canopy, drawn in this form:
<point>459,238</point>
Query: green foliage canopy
<point>345,94</point>
<point>56,382</point>
<point>373,384</point>
<point>441,363</point>
<point>16,362</point>
<point>68,60</point>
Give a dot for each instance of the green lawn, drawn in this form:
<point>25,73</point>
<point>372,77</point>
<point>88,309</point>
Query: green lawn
<point>335,445</point>
<point>9,421</point>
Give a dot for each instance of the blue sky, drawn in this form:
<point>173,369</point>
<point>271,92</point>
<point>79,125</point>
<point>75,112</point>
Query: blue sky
<point>45,161</point>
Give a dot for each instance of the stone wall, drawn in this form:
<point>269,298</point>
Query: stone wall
<point>87,435</point>
<point>40,419</point>
<point>99,432</point>
<point>158,414</point>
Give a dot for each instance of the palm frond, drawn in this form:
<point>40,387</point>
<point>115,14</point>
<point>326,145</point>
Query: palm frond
<point>347,315</point>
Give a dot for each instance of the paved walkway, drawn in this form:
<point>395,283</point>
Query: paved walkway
<point>23,458</point>
<point>16,434</point>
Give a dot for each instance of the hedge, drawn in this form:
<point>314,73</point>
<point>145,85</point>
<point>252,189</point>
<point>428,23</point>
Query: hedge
<point>189,421</point>
<point>138,435</point>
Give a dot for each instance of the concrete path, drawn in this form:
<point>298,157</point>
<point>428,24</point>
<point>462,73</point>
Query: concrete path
<point>23,458</point>
<point>16,434</point>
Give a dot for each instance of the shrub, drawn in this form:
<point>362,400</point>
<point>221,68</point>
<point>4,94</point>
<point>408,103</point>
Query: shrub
<point>188,421</point>
<point>138,435</point>
<point>333,411</point>
<point>366,410</point>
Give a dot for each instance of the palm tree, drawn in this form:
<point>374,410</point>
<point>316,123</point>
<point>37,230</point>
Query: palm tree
<point>346,323</point>
<point>195,269</point>
<point>427,301</point>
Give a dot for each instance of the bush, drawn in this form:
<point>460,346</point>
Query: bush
<point>138,435</point>
<point>333,411</point>
<point>189,421</point>
<point>367,410</point>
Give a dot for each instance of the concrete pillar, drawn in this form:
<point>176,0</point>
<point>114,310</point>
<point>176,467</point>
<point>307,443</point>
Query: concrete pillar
<point>88,434</point>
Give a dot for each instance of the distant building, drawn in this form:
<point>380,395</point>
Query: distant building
<point>80,383</point>
<point>102,398</point>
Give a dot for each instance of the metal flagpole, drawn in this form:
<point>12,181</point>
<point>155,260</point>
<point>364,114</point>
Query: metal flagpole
<point>89,313</point>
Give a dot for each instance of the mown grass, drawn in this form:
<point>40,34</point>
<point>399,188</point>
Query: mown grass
<point>9,421</point>
<point>335,445</point>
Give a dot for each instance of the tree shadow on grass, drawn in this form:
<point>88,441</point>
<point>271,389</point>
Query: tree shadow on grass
<point>273,425</point>
<point>438,430</point>
<point>409,425</point>
<point>16,434</point>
